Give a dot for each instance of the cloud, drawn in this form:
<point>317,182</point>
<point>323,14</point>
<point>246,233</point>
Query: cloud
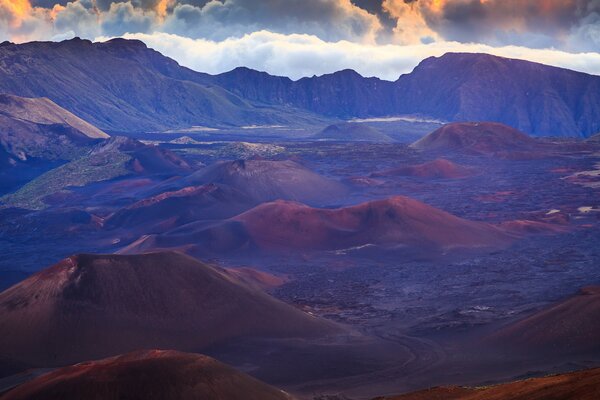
<point>531,23</point>
<point>19,20</point>
<point>299,55</point>
<point>216,20</point>
<point>124,17</point>
<point>304,37</point>
<point>327,19</point>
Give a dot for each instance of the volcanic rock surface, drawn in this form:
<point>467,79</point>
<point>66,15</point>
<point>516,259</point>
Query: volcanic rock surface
<point>92,306</point>
<point>266,180</point>
<point>352,132</point>
<point>581,385</point>
<point>568,327</point>
<point>394,223</point>
<point>147,374</point>
<point>170,209</point>
<point>436,169</point>
<point>39,128</point>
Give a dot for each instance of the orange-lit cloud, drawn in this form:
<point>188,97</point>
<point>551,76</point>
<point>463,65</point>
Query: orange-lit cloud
<point>163,6</point>
<point>569,25</point>
<point>15,11</point>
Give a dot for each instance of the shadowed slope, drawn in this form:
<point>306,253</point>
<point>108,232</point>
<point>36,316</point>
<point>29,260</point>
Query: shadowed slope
<point>170,209</point>
<point>46,112</point>
<point>154,374</point>
<point>122,85</point>
<point>582,385</point>
<point>395,223</point>
<point>568,327</point>
<point>38,128</point>
<point>92,306</point>
<point>534,98</point>
<point>436,169</point>
<point>265,180</point>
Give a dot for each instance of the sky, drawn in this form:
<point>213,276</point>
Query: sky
<point>296,38</point>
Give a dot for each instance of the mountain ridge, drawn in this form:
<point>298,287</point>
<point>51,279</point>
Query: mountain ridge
<point>139,89</point>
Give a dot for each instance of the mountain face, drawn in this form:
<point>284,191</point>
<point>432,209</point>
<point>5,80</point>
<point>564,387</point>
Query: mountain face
<point>148,374</point>
<point>38,128</point>
<point>92,306</point>
<point>122,85</point>
<point>535,98</point>
<point>343,94</point>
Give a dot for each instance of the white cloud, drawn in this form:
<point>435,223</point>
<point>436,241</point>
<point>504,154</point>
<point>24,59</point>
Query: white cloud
<point>298,55</point>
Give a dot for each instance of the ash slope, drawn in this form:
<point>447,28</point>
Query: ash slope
<point>582,385</point>
<point>39,128</point>
<point>568,327</point>
<point>93,306</point>
<point>155,374</point>
<point>395,223</point>
<point>265,180</point>
<point>487,138</point>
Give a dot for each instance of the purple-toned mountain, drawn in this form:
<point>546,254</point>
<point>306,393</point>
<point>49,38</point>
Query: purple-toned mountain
<point>122,85</point>
<point>534,98</point>
<point>342,94</point>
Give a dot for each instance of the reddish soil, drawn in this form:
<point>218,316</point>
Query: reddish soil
<point>476,138</point>
<point>93,306</point>
<point>582,385</point>
<point>569,327</point>
<point>436,169</point>
<point>153,374</point>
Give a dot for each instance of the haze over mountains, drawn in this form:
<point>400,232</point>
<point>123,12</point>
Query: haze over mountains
<point>124,86</point>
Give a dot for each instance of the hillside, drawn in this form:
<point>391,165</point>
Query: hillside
<point>352,132</point>
<point>488,138</point>
<point>111,159</point>
<point>534,98</point>
<point>138,89</point>
<point>39,128</point>
<point>92,306</point>
<point>122,85</point>
<point>439,168</point>
<point>392,224</point>
<point>571,326</point>
<point>150,374</point>
<point>582,385</point>
<point>537,99</point>
<point>267,180</point>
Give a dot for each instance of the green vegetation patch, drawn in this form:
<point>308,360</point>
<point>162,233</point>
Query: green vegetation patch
<point>93,168</point>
